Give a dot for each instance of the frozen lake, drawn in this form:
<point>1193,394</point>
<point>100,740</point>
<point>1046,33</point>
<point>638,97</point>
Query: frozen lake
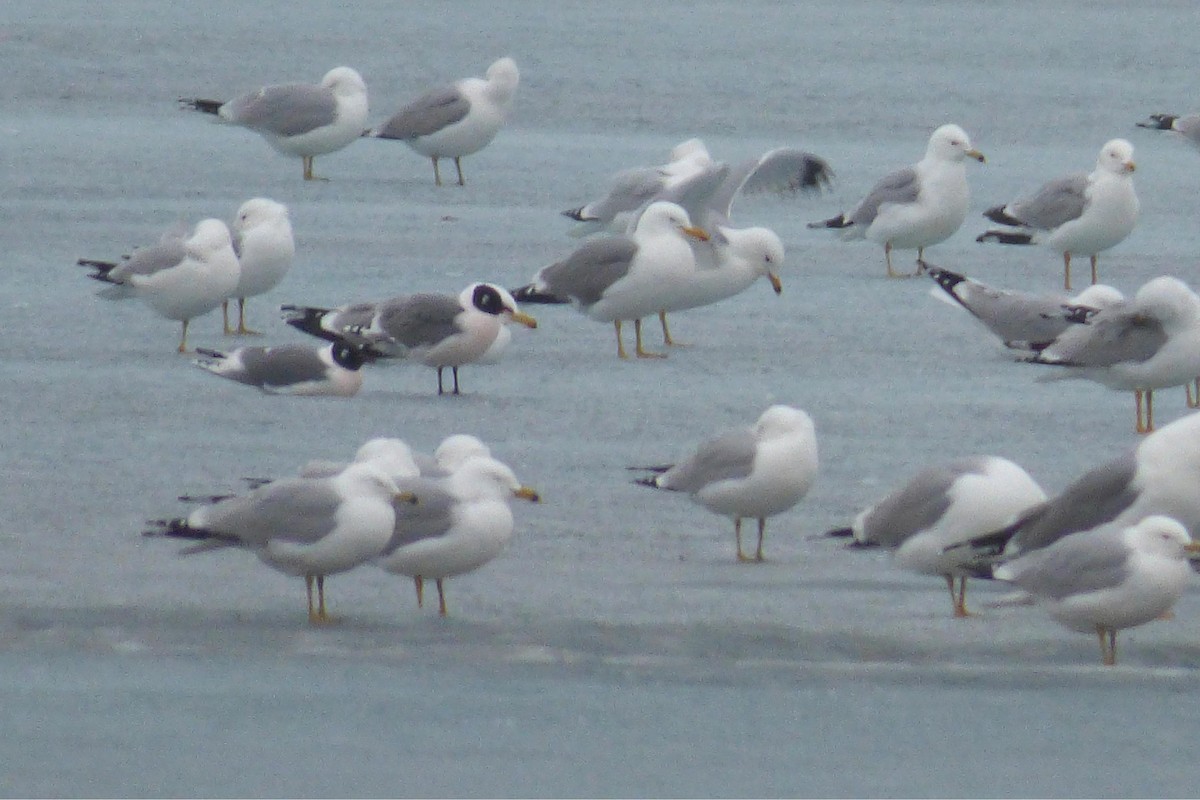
<point>616,648</point>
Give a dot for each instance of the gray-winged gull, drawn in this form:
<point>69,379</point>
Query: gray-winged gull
<point>456,120</point>
<point>309,527</point>
<point>918,206</point>
<point>1079,214</point>
<point>299,119</point>
<point>753,472</point>
<point>945,505</point>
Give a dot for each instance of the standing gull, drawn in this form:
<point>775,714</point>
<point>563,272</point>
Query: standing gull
<point>623,277</point>
<point>459,523</point>
<point>180,281</point>
<point>942,506</point>
<point>455,120</point>
<point>754,472</point>
<point>1077,214</point>
<point>1022,320</point>
<point>439,330</point>
<point>1100,581</point>
<point>334,369</point>
<point>310,527</point>
<point>299,119</point>
<point>262,239</point>
<point>918,206</point>
<point>1151,342</point>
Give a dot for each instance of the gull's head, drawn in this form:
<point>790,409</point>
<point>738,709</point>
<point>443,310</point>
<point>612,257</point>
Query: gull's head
<point>503,77</point>
<point>951,143</point>
<point>259,211</point>
<point>455,449</point>
<point>367,478</point>
<point>763,250</point>
<point>1161,536</point>
<point>344,82</point>
<point>209,236</point>
<point>662,216</point>
<point>493,299</point>
<point>781,420</point>
<point>484,476</point>
<point>1167,300</point>
<point>390,454</point>
<point>1117,157</point>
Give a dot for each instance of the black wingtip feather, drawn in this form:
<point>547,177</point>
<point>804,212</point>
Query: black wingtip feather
<point>839,221</point>
<point>201,104</point>
<point>531,294</point>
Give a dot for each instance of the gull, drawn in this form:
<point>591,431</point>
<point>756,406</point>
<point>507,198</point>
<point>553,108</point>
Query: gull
<point>456,120</point>
<point>179,281</point>
<point>918,206</point>
<point>628,276</point>
<point>1157,476</point>
<point>636,188</point>
<point>299,119</point>
<point>1187,126</point>
<point>310,527</point>
<point>263,241</point>
<point>695,180</point>
<point>1076,214</point>
<point>292,368</point>
<point>1150,342</point>
<point>753,472</point>
<point>458,524</point>
<point>945,505</point>
<point>439,330</point>
<point>1113,577</point>
<point>1021,320</point>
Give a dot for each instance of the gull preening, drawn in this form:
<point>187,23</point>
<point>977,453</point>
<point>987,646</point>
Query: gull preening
<point>263,241</point>
<point>1079,214</point>
<point>1104,580</point>
<point>918,206</point>
<point>439,330</point>
<point>459,523</point>
<point>1026,321</point>
<point>942,506</point>
<point>335,369</point>
<point>1147,343</point>
<point>307,527</point>
<point>180,278</point>
<point>626,277</point>
<point>457,120</point>
<point>754,472</point>
<point>299,119</point>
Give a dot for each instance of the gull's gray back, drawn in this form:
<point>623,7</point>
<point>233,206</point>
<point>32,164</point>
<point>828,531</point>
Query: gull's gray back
<point>286,110</point>
<point>1095,498</point>
<point>593,267</point>
<point>918,505</point>
<point>1057,202</point>
<point>283,365</point>
<point>729,456</point>
<point>294,510</point>
<point>1114,336</point>
<point>419,319</point>
<point>901,186</point>
<point>427,114</point>
<point>431,516</point>
<point>1076,564</point>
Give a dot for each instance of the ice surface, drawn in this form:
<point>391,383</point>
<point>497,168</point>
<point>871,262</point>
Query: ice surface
<point>616,648</point>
